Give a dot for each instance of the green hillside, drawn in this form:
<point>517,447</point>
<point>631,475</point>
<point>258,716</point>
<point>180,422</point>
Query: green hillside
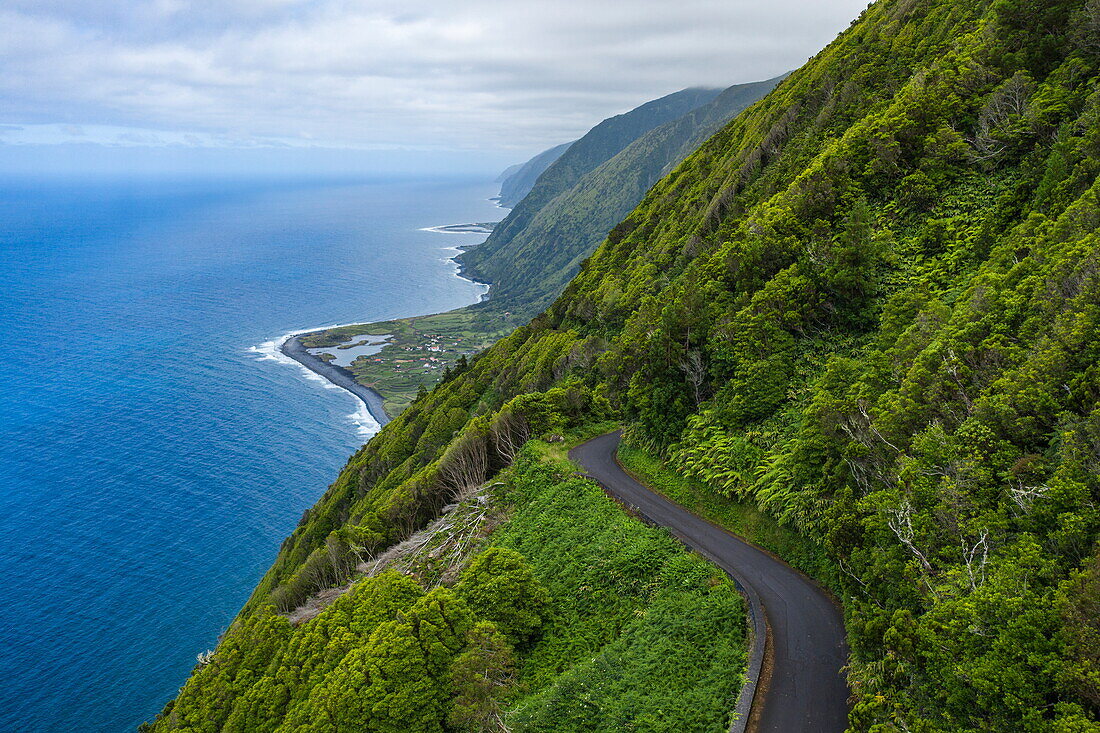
<point>868,308</point>
<point>533,265</point>
<point>569,616</point>
<point>598,145</point>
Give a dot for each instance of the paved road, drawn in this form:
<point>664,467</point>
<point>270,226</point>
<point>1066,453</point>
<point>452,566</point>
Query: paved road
<point>807,692</point>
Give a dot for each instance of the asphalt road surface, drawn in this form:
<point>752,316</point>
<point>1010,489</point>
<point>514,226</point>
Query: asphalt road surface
<point>807,692</point>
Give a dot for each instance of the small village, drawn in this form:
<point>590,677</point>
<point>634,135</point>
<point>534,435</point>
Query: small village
<point>440,354</point>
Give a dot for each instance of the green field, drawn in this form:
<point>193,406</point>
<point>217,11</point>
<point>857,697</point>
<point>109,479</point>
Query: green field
<point>420,351</point>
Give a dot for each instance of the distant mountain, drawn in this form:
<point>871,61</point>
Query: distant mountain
<point>602,142</point>
<point>536,250</point>
<point>509,171</point>
<point>516,181</point>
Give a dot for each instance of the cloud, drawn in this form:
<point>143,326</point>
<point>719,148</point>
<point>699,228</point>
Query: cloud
<point>465,74</point>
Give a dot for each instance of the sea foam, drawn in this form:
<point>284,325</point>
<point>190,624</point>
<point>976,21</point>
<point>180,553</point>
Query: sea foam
<point>365,424</point>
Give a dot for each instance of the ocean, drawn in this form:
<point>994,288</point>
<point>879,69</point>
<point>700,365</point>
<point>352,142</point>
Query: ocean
<point>155,451</point>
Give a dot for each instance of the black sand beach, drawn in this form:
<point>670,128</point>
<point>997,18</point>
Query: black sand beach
<point>338,375</point>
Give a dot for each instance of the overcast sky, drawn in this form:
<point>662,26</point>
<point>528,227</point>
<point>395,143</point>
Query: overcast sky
<point>503,78</point>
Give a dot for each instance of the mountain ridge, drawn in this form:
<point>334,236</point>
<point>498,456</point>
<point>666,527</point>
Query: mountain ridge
<point>597,145</point>
<point>531,265</point>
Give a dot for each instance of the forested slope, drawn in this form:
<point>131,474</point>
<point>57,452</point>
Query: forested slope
<point>568,616</point>
<point>532,263</point>
<point>599,144</point>
<point>870,305</point>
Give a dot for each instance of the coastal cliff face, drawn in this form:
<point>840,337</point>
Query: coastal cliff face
<point>539,249</point>
<point>517,182</point>
<point>596,147</point>
<point>531,264</point>
<point>868,307</point>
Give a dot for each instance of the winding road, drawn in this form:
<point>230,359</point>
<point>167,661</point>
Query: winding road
<point>802,688</point>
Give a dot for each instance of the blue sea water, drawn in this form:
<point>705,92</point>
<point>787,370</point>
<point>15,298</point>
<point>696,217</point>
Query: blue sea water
<point>153,453</point>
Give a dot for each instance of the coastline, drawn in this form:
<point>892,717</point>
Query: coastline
<point>480,228</point>
<point>460,269</point>
<point>292,348</point>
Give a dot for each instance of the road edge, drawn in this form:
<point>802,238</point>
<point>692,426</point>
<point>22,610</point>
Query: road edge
<point>753,687</point>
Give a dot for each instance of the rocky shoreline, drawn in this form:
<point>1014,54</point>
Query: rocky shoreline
<point>338,375</point>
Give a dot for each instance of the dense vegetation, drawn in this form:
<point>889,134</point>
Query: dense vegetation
<point>597,145</point>
<point>742,517</point>
<point>869,307</point>
<point>571,616</point>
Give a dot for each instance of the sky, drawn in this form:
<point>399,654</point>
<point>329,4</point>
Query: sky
<point>457,82</point>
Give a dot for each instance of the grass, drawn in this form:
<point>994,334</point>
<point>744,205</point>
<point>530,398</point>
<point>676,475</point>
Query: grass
<point>641,634</point>
<point>741,518</point>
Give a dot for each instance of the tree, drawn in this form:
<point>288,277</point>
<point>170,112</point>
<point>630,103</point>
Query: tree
<point>510,429</point>
<point>381,687</point>
<point>500,586</point>
<point>481,678</point>
<point>465,464</point>
<point>1081,617</point>
<point>440,621</point>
